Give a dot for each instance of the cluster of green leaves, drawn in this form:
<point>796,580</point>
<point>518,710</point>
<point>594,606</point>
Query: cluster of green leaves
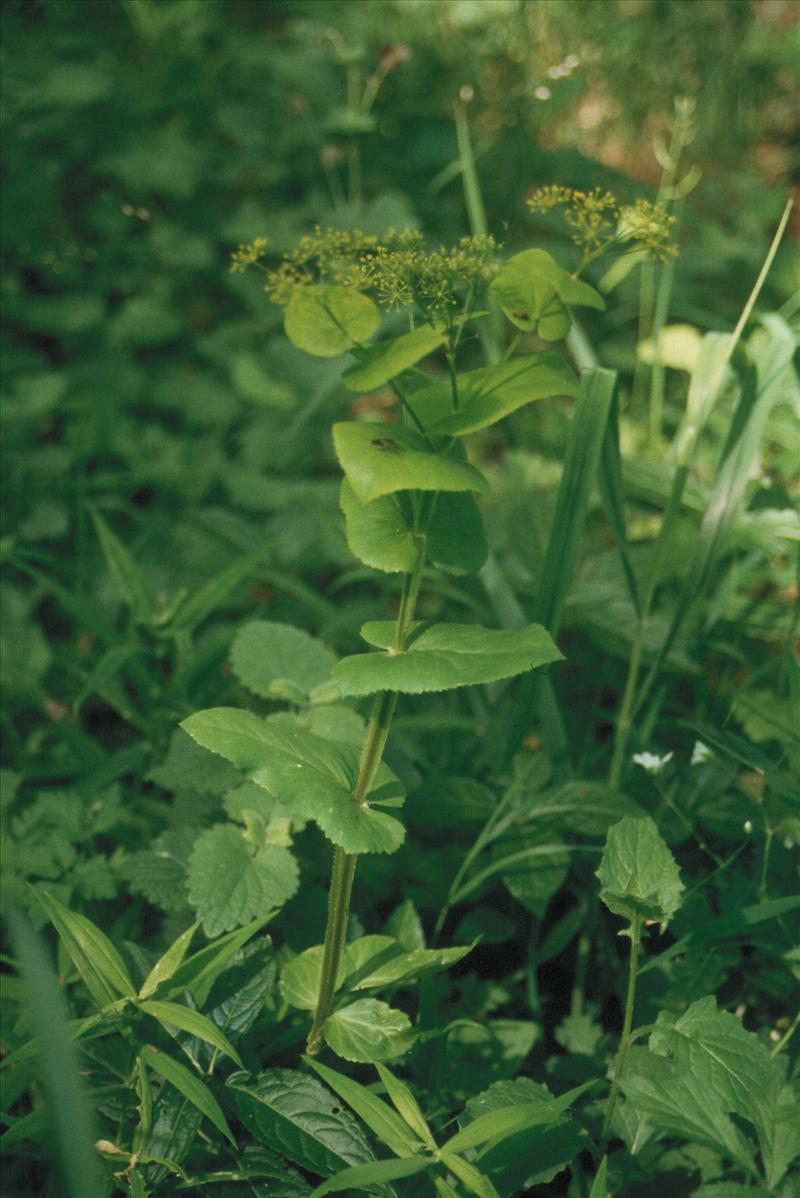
<point>169,477</point>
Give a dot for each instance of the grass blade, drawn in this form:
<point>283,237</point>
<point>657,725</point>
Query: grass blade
<point>70,1117</point>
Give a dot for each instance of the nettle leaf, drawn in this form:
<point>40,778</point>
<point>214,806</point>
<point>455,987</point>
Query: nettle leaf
<point>714,1047</point>
<point>442,656</point>
<point>313,778</point>
<point>722,1058</point>
<point>279,661</point>
<point>380,533</point>
<point>229,884</point>
<point>639,877</point>
<point>534,291</point>
<point>383,361</point>
<point>295,1113</point>
<point>380,459</point>
<point>326,320</point>
<point>492,392</point>
<point>368,1030</point>
<point>188,766</point>
<point>675,1104</point>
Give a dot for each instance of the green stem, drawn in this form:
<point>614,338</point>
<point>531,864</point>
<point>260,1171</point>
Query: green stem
<point>625,1039</point>
<point>344,864</point>
<point>344,867</point>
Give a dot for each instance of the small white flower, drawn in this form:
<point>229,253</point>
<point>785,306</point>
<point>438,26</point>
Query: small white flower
<point>652,762</point>
<point>700,753</point>
<point>748,826</point>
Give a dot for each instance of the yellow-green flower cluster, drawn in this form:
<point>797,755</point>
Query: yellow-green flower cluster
<point>324,256</point>
<point>248,254</point>
<point>398,267</point>
<point>402,271</point>
<point>651,225</point>
<point>597,220</point>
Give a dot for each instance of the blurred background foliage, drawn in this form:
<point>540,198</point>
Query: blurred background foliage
<point>167,464</point>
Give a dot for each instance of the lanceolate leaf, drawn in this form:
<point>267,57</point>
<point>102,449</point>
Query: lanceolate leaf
<point>386,359</point>
<point>443,656</point>
<point>93,955</point>
<point>290,1110</point>
<point>326,320</point>
<point>492,392</point>
<point>176,1015</point>
<point>378,1116</point>
<point>505,1121</point>
<point>355,1179</point>
<point>190,1086</point>
<point>368,1030</point>
<point>380,533</point>
<point>380,459</point>
<point>313,778</point>
<point>638,874</point>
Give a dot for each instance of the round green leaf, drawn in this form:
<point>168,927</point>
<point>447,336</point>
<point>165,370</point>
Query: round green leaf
<point>380,533</point>
<point>326,320</point>
<point>380,459</point>
<point>278,660</point>
<point>368,1030</point>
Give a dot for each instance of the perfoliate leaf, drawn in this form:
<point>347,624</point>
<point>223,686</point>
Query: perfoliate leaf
<point>368,1030</point>
<point>380,459</point>
<point>380,533</point>
<point>190,1086</point>
<point>229,884</point>
<point>326,320</point>
<point>313,778</point>
<point>443,656</point>
<point>638,874</point>
<point>386,359</point>
<point>278,661</point>
<point>488,394</point>
<point>300,978</point>
<point>534,291</point>
<point>289,1108</point>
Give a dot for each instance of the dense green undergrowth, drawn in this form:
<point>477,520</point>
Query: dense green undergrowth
<point>473,572</point>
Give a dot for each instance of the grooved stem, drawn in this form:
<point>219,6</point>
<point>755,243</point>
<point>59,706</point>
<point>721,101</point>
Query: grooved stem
<point>627,1024</point>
